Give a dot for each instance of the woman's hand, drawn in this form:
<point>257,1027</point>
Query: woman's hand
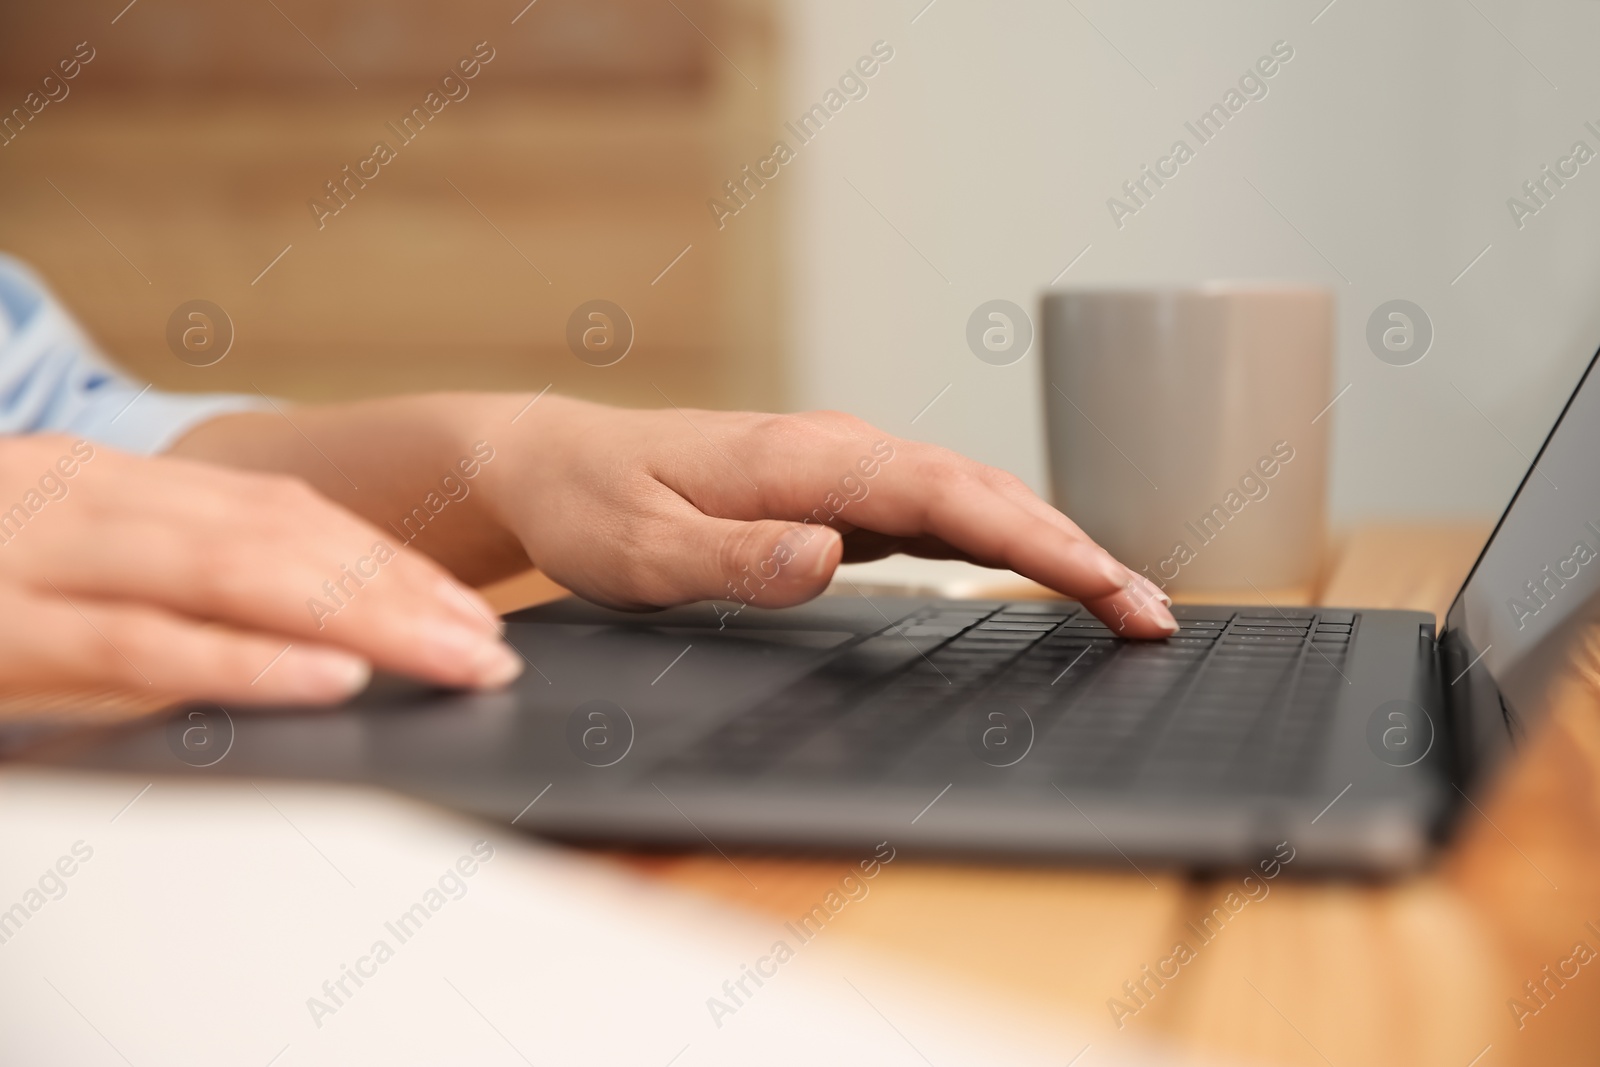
<point>190,581</point>
<point>640,509</point>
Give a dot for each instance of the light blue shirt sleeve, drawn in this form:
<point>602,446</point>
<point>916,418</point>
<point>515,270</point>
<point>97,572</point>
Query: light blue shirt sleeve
<point>54,379</point>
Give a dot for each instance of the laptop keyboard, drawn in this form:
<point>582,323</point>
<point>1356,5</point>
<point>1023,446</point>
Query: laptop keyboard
<point>1235,700</point>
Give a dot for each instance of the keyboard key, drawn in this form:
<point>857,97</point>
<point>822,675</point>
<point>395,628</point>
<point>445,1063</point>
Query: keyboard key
<point>991,636</point>
<point>1271,620</point>
<point>877,656</point>
<point>1024,627</point>
<point>1347,617</point>
<point>1041,607</point>
<point>1236,638</point>
<point>1283,630</point>
<point>1245,654</point>
<point>957,621</point>
<point>924,630</point>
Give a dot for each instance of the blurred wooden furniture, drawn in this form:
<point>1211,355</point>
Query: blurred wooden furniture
<point>1320,972</point>
<point>181,162</point>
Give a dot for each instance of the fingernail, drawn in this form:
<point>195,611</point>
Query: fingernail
<point>494,665</point>
<point>819,562</point>
<point>461,650</point>
<point>794,543</point>
<point>1151,602</point>
<point>324,673</point>
<point>467,604</point>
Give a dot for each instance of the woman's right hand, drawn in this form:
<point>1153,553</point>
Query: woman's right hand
<point>184,580</point>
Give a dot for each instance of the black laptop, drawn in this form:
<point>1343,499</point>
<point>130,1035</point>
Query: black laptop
<point>950,727</point>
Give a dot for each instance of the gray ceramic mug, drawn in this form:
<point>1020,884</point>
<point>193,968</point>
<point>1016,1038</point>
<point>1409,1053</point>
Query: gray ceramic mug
<point>1187,428</point>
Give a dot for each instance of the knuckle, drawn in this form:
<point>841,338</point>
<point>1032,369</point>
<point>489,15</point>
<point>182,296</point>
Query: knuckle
<point>948,486</point>
<point>837,423</point>
<point>813,433</point>
<point>786,431</point>
<point>938,455</point>
<point>939,467</point>
<point>1002,480</point>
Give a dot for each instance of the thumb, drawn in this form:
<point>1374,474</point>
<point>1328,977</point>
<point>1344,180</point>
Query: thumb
<point>766,563</point>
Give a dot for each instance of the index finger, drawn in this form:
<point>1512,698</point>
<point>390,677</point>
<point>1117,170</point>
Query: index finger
<point>910,490</point>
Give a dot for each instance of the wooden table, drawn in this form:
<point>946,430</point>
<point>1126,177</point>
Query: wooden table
<point>1318,973</point>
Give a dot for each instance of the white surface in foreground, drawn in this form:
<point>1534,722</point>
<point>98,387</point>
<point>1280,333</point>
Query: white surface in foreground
<point>209,914</point>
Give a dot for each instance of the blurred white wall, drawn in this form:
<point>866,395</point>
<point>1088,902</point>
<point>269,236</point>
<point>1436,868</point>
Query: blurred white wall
<point>1391,141</point>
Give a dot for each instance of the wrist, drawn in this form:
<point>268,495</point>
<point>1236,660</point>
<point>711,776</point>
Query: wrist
<point>525,432</point>
<point>475,462</point>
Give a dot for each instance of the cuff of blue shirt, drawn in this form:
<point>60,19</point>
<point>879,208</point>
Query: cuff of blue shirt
<point>53,378</point>
<point>148,421</point>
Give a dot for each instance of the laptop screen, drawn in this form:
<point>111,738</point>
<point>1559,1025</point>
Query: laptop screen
<point>1533,590</point>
